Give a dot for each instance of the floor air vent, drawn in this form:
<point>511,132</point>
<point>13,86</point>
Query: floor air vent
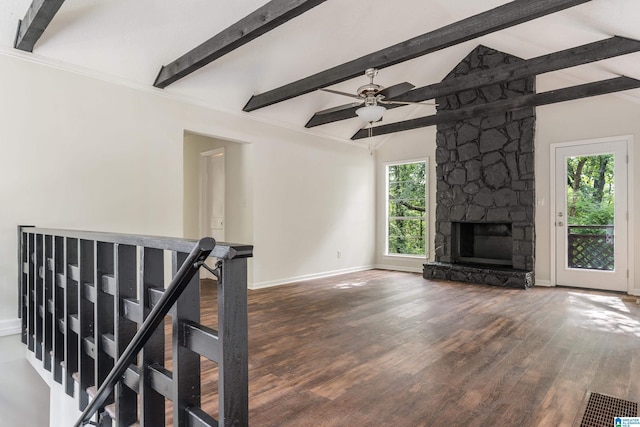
<point>599,410</point>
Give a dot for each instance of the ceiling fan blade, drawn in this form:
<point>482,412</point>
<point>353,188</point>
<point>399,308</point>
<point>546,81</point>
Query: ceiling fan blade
<point>406,102</point>
<point>396,90</point>
<point>337,92</point>
<point>339,108</point>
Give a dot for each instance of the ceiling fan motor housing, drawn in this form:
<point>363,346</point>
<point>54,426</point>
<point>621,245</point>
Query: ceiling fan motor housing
<point>370,90</point>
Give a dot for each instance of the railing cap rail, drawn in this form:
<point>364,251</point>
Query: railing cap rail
<point>222,250</point>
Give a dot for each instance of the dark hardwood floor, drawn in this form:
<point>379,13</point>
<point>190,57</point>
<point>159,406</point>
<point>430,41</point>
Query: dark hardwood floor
<point>390,348</point>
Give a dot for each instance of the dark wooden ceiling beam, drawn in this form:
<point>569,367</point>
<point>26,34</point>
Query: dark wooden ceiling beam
<point>35,21</point>
<point>592,52</point>
<point>617,84</point>
<point>501,17</point>
<point>263,20</point>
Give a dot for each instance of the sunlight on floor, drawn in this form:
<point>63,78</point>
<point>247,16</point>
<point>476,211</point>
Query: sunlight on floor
<point>607,313</point>
<point>349,285</point>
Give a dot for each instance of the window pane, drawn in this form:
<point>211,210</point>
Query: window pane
<point>411,207</point>
<point>406,189</point>
<point>406,214</point>
<point>590,212</point>
<point>406,236</point>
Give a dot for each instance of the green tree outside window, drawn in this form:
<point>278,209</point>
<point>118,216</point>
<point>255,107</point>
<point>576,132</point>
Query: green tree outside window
<point>590,190</point>
<point>406,208</point>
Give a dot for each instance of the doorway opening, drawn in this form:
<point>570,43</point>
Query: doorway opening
<point>212,194</point>
<point>218,190</point>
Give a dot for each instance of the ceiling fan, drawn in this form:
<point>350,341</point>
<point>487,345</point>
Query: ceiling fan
<point>372,97</point>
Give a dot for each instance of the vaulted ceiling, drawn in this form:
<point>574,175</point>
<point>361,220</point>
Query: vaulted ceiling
<point>131,40</point>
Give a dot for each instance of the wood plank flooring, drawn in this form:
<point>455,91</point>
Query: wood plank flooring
<point>390,348</point>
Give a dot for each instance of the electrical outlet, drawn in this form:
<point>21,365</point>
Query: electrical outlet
<point>339,254</point>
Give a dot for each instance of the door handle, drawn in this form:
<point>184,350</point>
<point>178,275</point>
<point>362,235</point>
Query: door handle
<point>560,224</point>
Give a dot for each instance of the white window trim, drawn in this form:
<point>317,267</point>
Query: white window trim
<point>386,208</point>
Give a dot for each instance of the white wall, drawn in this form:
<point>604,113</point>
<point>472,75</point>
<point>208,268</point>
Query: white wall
<point>63,409</point>
<point>417,144</point>
<point>311,200</point>
<point>82,153</point>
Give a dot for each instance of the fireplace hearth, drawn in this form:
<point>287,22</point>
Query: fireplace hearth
<point>485,184</point>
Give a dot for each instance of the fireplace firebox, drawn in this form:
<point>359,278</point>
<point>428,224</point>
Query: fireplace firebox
<point>483,243</point>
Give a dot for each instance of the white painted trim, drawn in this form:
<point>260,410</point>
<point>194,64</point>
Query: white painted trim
<point>422,258</point>
<point>204,188</point>
<point>212,152</point>
<point>304,278</point>
<point>399,268</point>
<point>630,188</point>
<point>552,213</point>
<point>404,162</point>
<point>628,138</point>
<point>544,283</point>
<point>10,327</point>
<point>631,217</point>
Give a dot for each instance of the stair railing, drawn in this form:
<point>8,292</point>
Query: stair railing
<point>188,269</point>
<point>91,302</point>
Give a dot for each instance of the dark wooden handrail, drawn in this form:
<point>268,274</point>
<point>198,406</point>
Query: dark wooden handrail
<point>222,250</point>
<point>188,269</point>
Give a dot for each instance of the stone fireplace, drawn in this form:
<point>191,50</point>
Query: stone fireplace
<point>485,184</point>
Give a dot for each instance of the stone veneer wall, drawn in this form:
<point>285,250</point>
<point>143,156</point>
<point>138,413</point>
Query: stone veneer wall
<point>485,165</point>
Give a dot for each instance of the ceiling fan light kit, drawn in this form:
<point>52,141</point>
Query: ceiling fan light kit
<point>371,113</point>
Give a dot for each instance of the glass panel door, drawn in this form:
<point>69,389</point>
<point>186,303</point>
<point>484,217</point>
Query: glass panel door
<point>590,217</point>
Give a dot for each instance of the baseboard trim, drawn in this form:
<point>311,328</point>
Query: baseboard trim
<point>9,327</point>
<point>287,281</point>
<point>543,283</point>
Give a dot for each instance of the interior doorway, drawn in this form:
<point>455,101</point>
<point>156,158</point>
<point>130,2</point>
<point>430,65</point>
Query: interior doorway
<point>590,219</point>
<point>212,194</point>
<point>218,190</point>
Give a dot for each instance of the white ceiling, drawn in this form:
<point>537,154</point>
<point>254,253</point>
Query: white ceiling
<point>131,40</point>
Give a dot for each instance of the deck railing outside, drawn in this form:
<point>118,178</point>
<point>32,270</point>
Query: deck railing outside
<point>83,297</point>
<point>591,247</point>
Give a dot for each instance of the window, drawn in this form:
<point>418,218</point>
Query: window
<point>406,208</point>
